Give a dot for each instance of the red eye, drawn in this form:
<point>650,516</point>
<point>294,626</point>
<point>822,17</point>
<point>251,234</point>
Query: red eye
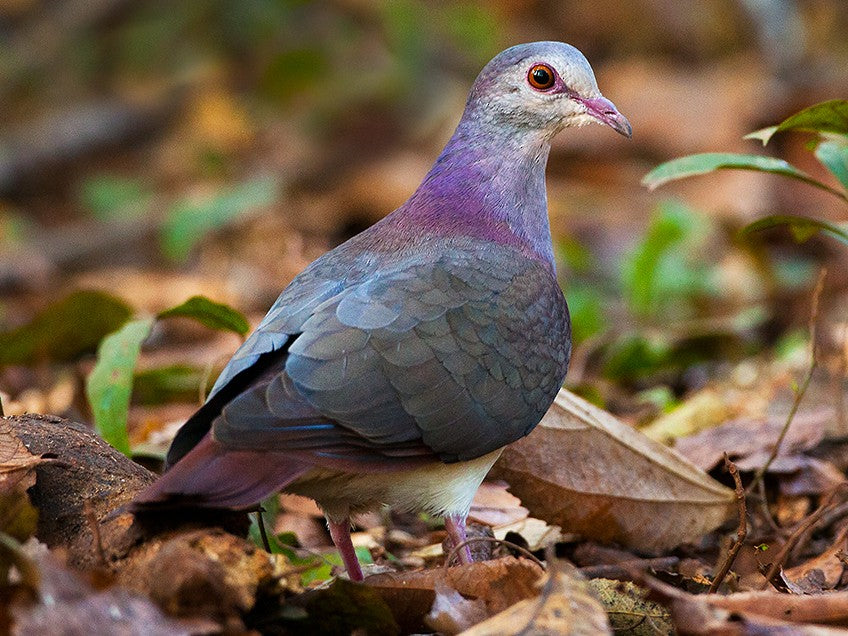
<point>541,77</point>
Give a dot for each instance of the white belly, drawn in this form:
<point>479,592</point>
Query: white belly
<point>437,488</point>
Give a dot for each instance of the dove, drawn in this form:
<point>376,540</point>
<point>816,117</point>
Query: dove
<point>395,368</point>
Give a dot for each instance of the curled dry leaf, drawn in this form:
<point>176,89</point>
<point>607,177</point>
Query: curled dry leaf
<point>751,612</point>
<point>823,572</point>
<point>16,462</point>
<point>498,584</point>
<point>452,613</point>
<point>18,517</point>
<point>493,506</point>
<point>565,605</point>
<point>589,473</point>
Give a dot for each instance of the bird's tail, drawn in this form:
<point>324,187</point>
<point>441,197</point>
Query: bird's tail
<point>211,478</point>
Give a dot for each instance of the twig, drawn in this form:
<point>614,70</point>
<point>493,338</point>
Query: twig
<point>524,551</point>
<point>799,394</point>
<point>741,530</point>
<point>763,500</point>
<point>780,558</point>
<point>94,526</point>
<point>262,533</point>
<point>625,568</point>
<point>835,515</point>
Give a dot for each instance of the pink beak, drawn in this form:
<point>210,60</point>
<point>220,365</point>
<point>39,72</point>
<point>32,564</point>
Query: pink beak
<point>605,112</point>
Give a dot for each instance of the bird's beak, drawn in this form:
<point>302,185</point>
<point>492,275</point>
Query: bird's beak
<point>605,112</point>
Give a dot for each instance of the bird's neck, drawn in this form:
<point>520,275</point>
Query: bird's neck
<point>489,182</point>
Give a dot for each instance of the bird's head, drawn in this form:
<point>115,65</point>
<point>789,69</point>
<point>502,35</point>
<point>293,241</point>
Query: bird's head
<point>542,86</point>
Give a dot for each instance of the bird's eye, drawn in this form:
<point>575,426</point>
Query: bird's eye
<point>541,77</point>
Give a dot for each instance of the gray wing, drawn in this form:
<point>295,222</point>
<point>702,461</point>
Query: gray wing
<point>459,356</point>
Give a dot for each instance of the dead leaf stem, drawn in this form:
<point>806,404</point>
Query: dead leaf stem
<point>741,530</point>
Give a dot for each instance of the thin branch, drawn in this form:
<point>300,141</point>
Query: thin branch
<point>799,394</point>
<point>509,544</point>
<point>741,530</point>
<point>94,526</point>
<point>625,568</point>
<point>780,558</point>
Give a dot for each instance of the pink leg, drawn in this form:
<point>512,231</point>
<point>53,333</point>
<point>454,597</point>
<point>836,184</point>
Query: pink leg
<point>340,533</point>
<point>455,526</point>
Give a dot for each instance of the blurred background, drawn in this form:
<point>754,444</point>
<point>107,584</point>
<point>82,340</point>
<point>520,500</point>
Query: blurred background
<point>155,150</point>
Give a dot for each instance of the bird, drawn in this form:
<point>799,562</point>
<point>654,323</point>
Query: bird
<point>395,368</point>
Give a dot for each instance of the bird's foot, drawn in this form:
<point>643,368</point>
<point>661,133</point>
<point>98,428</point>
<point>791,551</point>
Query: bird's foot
<point>340,533</point>
<point>455,526</point>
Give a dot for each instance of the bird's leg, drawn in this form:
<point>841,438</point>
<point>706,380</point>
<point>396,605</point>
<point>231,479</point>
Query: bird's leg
<point>340,533</point>
<point>455,526</point>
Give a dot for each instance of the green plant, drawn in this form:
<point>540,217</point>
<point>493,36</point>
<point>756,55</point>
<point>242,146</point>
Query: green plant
<point>109,385</point>
<point>828,121</point>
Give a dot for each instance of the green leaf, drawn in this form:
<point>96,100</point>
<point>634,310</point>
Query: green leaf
<point>586,307</point>
<point>64,329</point>
<point>109,196</point>
<point>825,117</point>
<point>833,154</point>
<point>658,269</point>
<point>802,227</point>
<point>189,221</point>
<point>210,314</point>
<point>109,385</point>
<point>324,571</point>
<point>707,162</point>
<point>172,383</point>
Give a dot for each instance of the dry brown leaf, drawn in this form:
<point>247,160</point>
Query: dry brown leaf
<point>493,506</point>
<point>628,609</point>
<point>745,437</point>
<point>751,612</point>
<point>452,613</point>
<point>565,605</point>
<point>589,473</point>
<point>822,572</point>
<point>535,532</point>
<point>829,609</point>
<point>16,462</point>
<point>499,584</point>
<point>69,605</point>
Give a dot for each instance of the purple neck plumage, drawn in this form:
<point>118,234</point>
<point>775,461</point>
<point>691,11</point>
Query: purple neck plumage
<point>489,182</point>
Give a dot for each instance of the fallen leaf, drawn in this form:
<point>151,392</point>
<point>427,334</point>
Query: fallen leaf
<point>704,410</point>
<point>629,610</point>
<point>535,532</point>
<point>71,606</point>
<point>744,437</point>
<point>16,462</point>
<point>823,572</point>
<point>565,605</point>
<point>589,473</point>
<point>344,608</point>
<point>498,584</point>
<point>18,517</point>
<point>452,613</point>
<point>493,506</point>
